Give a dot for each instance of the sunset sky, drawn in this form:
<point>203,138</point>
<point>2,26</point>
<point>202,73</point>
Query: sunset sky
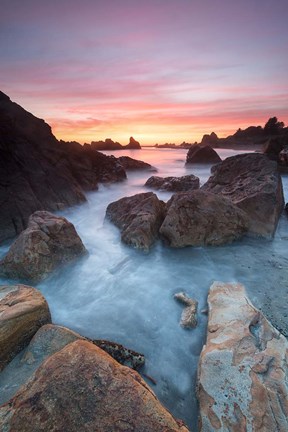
<point>160,70</point>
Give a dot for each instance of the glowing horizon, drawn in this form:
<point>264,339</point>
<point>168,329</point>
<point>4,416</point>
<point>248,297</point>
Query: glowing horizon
<point>159,70</point>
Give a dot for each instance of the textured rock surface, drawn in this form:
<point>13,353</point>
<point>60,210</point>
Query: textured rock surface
<point>121,354</point>
<point>82,388</point>
<point>174,184</point>
<point>23,310</point>
<point>202,154</point>
<point>252,182</point>
<point>200,218</point>
<point>48,242</point>
<point>37,172</point>
<point>48,340</point>
<point>189,314</point>
<point>242,382</point>
<point>139,218</point>
<point>129,163</point>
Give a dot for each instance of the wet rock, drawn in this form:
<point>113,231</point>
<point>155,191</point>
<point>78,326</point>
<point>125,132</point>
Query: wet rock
<point>131,164</point>
<point>83,388</point>
<point>189,314</point>
<point>242,374</point>
<point>252,182</point>
<point>202,154</point>
<point>23,310</point>
<point>48,242</point>
<point>139,218</point>
<point>200,218</point>
<point>174,184</point>
<point>121,354</point>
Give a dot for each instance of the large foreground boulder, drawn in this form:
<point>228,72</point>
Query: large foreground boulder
<point>81,388</point>
<point>174,184</point>
<point>139,218</point>
<point>201,218</point>
<point>243,376</point>
<point>202,154</point>
<point>252,182</point>
<point>23,310</point>
<point>48,242</point>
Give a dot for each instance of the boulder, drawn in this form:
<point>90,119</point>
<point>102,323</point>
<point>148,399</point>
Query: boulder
<point>38,172</point>
<point>202,154</point>
<point>23,310</point>
<point>83,388</point>
<point>283,158</point>
<point>189,314</point>
<point>242,373</point>
<point>139,218</point>
<point>133,144</point>
<point>48,242</point>
<point>201,218</point>
<point>251,182</point>
<point>131,164</point>
<point>174,184</point>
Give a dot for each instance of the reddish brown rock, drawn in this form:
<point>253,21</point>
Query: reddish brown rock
<point>81,388</point>
<point>252,182</point>
<point>200,218</point>
<point>49,241</point>
<point>139,218</point>
<point>23,310</point>
<point>242,374</point>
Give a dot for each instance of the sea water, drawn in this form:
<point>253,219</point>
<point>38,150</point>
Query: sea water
<point>124,295</point>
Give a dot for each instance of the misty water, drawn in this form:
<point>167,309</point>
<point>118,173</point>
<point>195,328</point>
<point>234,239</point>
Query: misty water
<point>124,295</point>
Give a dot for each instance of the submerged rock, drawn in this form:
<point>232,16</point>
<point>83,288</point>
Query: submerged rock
<point>23,310</point>
<point>129,163</point>
<point>49,241</point>
<point>174,184</point>
<point>121,354</point>
<point>83,388</point>
<point>252,182</point>
<point>139,218</point>
<point>200,218</point>
<point>189,314</point>
<point>242,375</point>
<point>202,154</point>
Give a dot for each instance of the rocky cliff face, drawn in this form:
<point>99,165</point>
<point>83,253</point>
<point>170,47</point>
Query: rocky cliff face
<point>39,173</point>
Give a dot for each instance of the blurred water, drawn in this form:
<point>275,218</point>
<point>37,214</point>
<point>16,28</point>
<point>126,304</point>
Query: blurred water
<point>124,295</point>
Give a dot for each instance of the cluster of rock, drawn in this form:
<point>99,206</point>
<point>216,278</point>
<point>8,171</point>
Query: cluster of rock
<point>174,184</point>
<point>109,144</point>
<point>243,196</point>
<point>53,363</point>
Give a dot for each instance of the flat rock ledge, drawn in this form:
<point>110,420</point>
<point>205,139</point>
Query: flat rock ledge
<point>48,242</point>
<point>242,375</point>
<point>174,184</point>
<point>81,388</point>
<point>23,310</point>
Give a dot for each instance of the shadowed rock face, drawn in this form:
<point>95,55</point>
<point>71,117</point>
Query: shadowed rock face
<point>39,173</point>
<point>139,218</point>
<point>83,388</point>
<point>242,375</point>
<point>199,218</point>
<point>202,154</point>
<point>174,184</point>
<point>253,183</point>
<point>23,310</point>
<point>129,163</point>
<point>48,242</point>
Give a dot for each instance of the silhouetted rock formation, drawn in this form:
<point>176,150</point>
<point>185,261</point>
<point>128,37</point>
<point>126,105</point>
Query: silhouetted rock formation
<point>48,242</point>
<point>133,144</point>
<point>139,218</point>
<point>252,182</point>
<point>131,164</point>
<point>242,373</point>
<point>210,140</point>
<point>201,218</point>
<point>39,173</point>
<point>110,145</point>
<point>202,154</point>
<point>174,184</point>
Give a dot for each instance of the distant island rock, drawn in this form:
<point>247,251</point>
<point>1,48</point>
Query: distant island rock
<point>38,172</point>
<point>109,144</point>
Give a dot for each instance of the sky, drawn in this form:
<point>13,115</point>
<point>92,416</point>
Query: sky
<point>158,70</point>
